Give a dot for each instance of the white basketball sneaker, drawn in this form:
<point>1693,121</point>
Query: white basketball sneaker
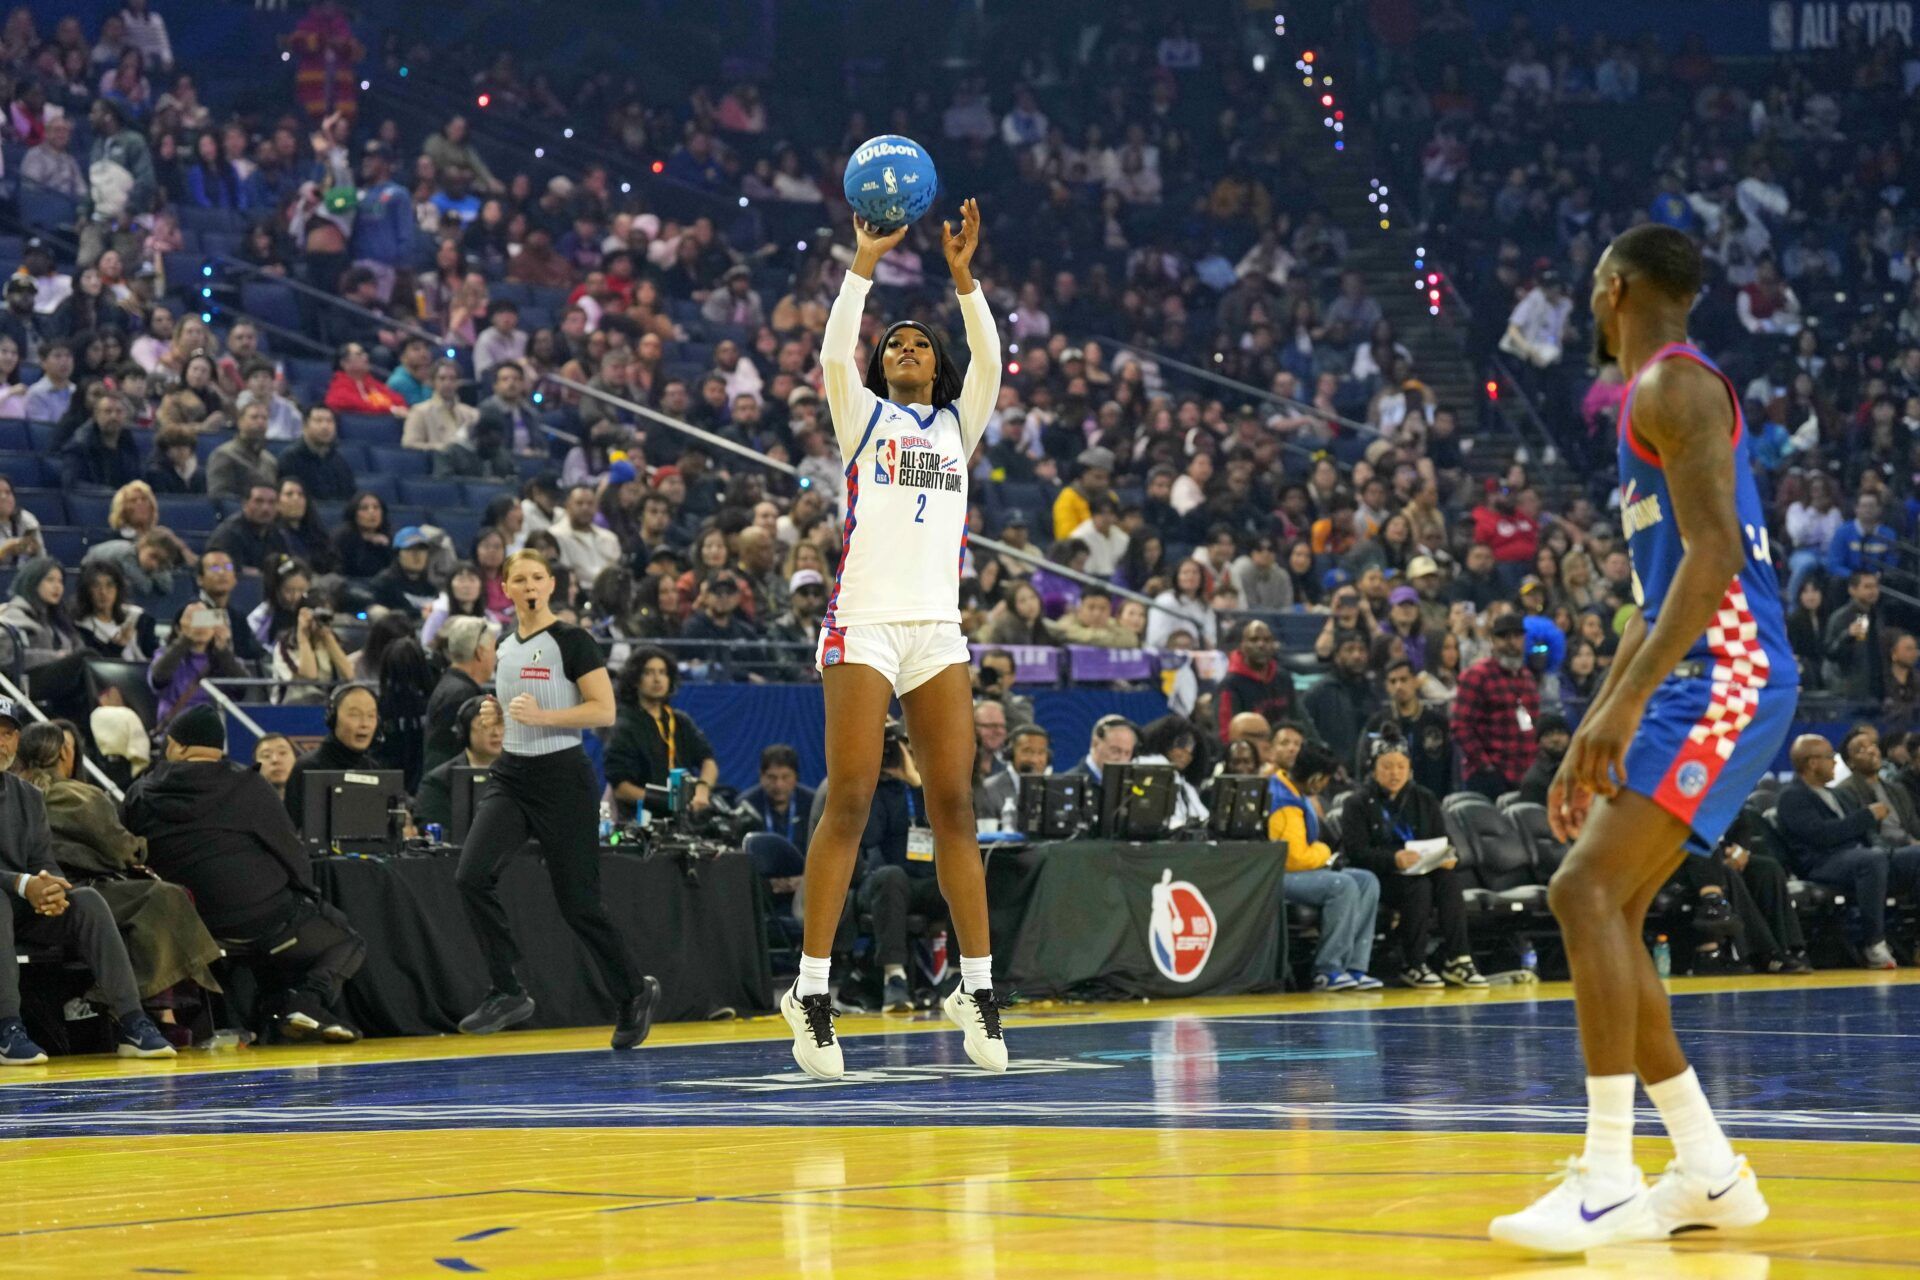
<point>1577,1216</point>
<point>977,1013</point>
<point>1683,1202</point>
<point>815,1047</point>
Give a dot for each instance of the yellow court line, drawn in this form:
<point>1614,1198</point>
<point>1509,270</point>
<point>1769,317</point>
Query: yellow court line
<point>404,1049</point>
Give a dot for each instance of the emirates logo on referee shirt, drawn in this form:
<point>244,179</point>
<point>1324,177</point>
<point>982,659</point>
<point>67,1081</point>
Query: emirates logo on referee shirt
<point>536,673</point>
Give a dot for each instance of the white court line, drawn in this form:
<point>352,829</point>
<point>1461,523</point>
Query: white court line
<point>1467,1025</point>
<point>1446,1116</point>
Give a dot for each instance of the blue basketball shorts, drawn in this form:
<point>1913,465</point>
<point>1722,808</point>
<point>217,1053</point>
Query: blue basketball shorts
<point>1702,747</point>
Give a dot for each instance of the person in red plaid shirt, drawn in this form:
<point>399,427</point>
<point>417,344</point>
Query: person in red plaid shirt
<point>1494,714</point>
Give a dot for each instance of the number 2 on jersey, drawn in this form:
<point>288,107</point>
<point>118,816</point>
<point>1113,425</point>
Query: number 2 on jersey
<point>921,510</point>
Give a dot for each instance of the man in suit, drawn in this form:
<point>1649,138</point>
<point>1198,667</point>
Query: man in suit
<point>780,800</point>
<point>1031,754</point>
<point>1114,740</point>
<point>1830,836</point>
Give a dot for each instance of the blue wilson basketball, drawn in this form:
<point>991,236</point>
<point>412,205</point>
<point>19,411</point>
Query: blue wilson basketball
<point>890,181</point>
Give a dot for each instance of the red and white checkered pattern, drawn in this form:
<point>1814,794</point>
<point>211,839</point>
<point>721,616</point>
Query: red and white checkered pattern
<point>1740,671</point>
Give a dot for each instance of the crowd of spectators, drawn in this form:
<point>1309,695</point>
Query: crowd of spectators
<point>1316,550</point>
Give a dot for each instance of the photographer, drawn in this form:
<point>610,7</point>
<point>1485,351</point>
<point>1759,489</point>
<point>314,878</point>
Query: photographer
<point>896,854</point>
<point>300,632</point>
<point>651,739</point>
<point>201,647</point>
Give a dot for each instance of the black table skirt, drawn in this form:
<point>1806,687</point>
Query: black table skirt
<point>700,936</point>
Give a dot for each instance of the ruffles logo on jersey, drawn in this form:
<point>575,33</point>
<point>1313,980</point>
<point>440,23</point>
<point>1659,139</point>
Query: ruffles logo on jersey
<point>899,462</point>
<point>1180,929</point>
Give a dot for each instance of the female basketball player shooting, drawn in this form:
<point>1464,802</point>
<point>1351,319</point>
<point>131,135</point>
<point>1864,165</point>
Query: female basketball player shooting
<point>893,627</point>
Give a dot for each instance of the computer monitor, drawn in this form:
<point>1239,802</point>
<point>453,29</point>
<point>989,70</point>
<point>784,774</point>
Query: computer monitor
<point>347,808</point>
<point>1052,807</point>
<point>1237,807</point>
<point>1136,801</point>
<point>466,783</point>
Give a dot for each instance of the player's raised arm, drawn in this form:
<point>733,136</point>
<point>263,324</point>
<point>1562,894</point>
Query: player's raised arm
<point>981,389</point>
<point>849,401</point>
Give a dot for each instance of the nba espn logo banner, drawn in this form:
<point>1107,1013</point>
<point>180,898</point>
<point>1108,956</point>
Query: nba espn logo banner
<point>1181,929</point>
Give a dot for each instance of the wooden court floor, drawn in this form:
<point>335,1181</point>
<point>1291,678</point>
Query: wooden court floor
<point>1302,1135</point>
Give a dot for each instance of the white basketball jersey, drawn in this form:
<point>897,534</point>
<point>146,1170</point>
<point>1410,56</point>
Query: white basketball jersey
<point>905,524</point>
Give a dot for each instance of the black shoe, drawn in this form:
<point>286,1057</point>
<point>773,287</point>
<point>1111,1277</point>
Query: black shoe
<point>637,1018</point>
<point>335,1029</point>
<point>497,1012</point>
<point>303,1021</point>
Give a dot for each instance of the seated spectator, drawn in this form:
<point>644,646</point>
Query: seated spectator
<point>1263,581</point>
<point>1183,606</point>
<point>1347,898</point>
<point>1255,680</point>
<point>217,578</point>
<point>108,624</point>
<point>1113,742</point>
<point>145,565</point>
<point>355,389</point>
<point>166,943</point>
<point>252,536</point>
<point>478,724</point>
<point>469,647</point>
<point>481,455</point>
<point>1381,818</point>
<point>200,648</point>
<point>46,910</point>
<point>716,618</point>
<point>1862,544</point>
<point>44,630</point>
<point>1555,737</point>
<point>1832,839</point>
<point>1423,729</point>
<point>1092,623</point>
<point>283,415</point>
<point>174,464</point>
<point>412,381</point>
<point>215,827</point>
<point>363,543</point>
<point>19,528</point>
<point>782,803</point>
<point>404,584</point>
<point>102,453</point>
<point>501,342</point>
<point>49,398</point>
<point>1019,619</point>
<point>465,596</point>
<point>585,547</point>
<point>512,408</point>
<point>244,461</point>
<point>439,419</point>
<point>652,738</point>
<point>1860,750</point>
<point>1171,740</point>
<point>1342,703</point>
<point>315,460</point>
<point>353,722</point>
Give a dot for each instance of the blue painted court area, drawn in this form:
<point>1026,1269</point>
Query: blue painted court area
<point>1832,1063</point>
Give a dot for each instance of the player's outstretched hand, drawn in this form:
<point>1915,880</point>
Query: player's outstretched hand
<point>872,241</point>
<point>959,248</point>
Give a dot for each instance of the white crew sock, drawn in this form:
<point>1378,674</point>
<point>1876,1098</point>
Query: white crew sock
<point>976,973</point>
<point>1609,1153</point>
<point>893,971</point>
<point>813,976</point>
<point>1702,1149</point>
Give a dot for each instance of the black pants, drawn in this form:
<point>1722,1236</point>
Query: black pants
<point>890,895</point>
<point>1765,881</point>
<point>551,799</point>
<point>311,952</point>
<point>85,929</point>
<point>1418,899</point>
<point>1489,784</point>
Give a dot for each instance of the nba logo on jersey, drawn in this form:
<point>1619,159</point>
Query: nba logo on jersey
<point>1692,779</point>
<point>886,461</point>
<point>1180,929</point>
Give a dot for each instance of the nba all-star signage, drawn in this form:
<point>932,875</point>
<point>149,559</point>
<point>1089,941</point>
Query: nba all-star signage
<point>1730,28</point>
<point>1163,919</point>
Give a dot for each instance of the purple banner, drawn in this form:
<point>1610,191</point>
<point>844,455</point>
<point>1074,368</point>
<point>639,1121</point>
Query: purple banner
<point>1032,663</point>
<point>1089,663</point>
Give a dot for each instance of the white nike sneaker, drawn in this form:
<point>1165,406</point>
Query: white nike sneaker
<point>978,1014</point>
<point>1683,1202</point>
<point>1577,1216</point>
<point>815,1047</point>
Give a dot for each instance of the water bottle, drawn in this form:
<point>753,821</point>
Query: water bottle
<point>606,822</point>
<point>1662,957</point>
<point>1010,815</point>
<point>937,954</point>
<point>673,789</point>
<point>1529,958</point>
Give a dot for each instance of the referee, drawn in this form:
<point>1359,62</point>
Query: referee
<point>553,683</point>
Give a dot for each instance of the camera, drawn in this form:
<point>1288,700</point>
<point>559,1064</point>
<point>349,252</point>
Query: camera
<point>893,746</point>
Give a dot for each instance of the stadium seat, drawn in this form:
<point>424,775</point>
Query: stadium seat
<point>43,437</point>
<point>89,510</point>
<point>13,436</point>
<point>271,301</point>
<point>1491,848</point>
<point>1546,850</point>
<point>477,494</point>
<point>45,210</point>
<point>379,429</point>
<point>191,513</point>
<point>384,487</point>
<point>444,496</point>
<point>24,470</point>
<point>49,506</point>
<point>400,463</point>
<point>64,542</point>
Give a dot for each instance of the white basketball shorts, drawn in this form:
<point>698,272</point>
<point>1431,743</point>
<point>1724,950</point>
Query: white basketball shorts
<point>908,654</point>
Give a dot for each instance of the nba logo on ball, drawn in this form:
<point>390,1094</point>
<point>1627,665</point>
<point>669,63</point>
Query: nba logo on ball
<point>1692,779</point>
<point>1180,929</point>
<point>890,181</point>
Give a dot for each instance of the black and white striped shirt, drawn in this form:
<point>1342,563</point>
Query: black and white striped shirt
<point>548,664</point>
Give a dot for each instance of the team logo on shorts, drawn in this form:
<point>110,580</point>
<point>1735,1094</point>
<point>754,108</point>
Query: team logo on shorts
<point>1180,929</point>
<point>1692,779</point>
<point>833,650</point>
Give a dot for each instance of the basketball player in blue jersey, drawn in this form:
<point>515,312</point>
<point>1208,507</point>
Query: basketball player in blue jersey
<point>1697,704</point>
<point>892,628</point>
